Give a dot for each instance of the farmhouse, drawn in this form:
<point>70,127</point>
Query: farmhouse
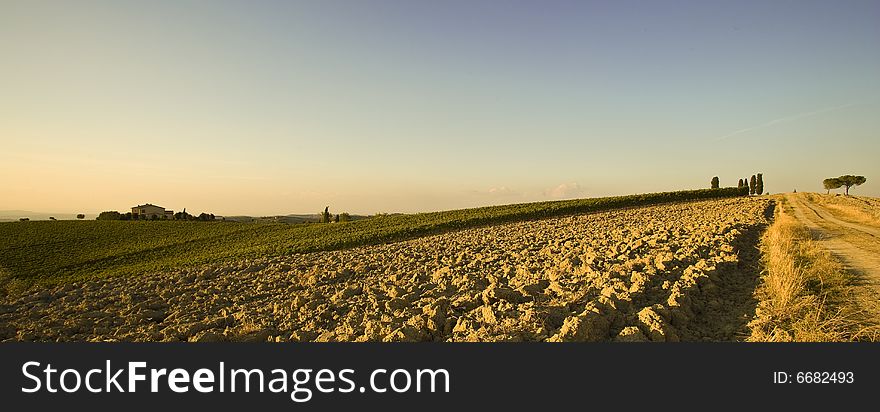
<point>150,211</point>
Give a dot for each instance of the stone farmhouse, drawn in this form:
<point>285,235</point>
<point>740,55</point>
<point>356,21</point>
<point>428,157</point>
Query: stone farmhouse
<point>150,211</point>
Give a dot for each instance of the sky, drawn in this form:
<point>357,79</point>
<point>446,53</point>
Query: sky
<point>267,107</point>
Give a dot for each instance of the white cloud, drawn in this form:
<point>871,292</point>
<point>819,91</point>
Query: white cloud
<point>566,190</point>
<point>503,190</point>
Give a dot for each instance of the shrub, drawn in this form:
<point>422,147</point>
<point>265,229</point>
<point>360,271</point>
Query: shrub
<point>109,215</point>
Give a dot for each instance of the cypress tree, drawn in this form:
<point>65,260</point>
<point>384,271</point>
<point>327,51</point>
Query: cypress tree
<point>759,185</point>
<point>325,217</point>
<point>752,183</point>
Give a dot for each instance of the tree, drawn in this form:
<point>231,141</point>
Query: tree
<point>110,215</point>
<point>831,183</point>
<point>752,183</point>
<point>848,181</point>
<point>336,219</point>
<point>325,217</point>
<point>183,215</point>
<point>344,217</point>
<point>715,183</point>
<point>739,184</point>
<point>80,216</point>
<point>759,185</point>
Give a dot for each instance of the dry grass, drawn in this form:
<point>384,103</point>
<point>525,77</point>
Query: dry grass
<point>858,209</point>
<point>806,294</point>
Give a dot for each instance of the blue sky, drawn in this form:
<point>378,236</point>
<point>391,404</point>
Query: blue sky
<point>384,106</point>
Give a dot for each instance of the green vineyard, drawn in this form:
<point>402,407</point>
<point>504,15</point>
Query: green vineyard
<point>51,252</point>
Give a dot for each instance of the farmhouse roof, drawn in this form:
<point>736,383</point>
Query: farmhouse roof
<point>148,204</point>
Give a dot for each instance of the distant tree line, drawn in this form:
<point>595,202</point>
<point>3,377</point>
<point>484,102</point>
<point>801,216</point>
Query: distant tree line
<point>845,181</point>
<point>114,215</point>
<point>753,186</point>
<point>204,217</point>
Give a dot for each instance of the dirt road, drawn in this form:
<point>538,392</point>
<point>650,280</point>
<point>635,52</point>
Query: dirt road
<point>856,245</point>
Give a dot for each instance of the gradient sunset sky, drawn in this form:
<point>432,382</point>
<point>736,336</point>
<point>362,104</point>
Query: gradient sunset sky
<point>400,106</point>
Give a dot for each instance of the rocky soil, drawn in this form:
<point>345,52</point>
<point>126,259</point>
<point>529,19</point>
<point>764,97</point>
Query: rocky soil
<point>674,272</point>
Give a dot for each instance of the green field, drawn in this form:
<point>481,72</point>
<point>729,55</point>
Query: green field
<point>50,252</point>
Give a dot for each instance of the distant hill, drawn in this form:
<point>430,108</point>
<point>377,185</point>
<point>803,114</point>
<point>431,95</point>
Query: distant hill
<point>292,218</point>
<point>14,215</point>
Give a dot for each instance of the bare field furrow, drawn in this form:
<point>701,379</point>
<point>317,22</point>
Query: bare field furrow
<point>672,272</point>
